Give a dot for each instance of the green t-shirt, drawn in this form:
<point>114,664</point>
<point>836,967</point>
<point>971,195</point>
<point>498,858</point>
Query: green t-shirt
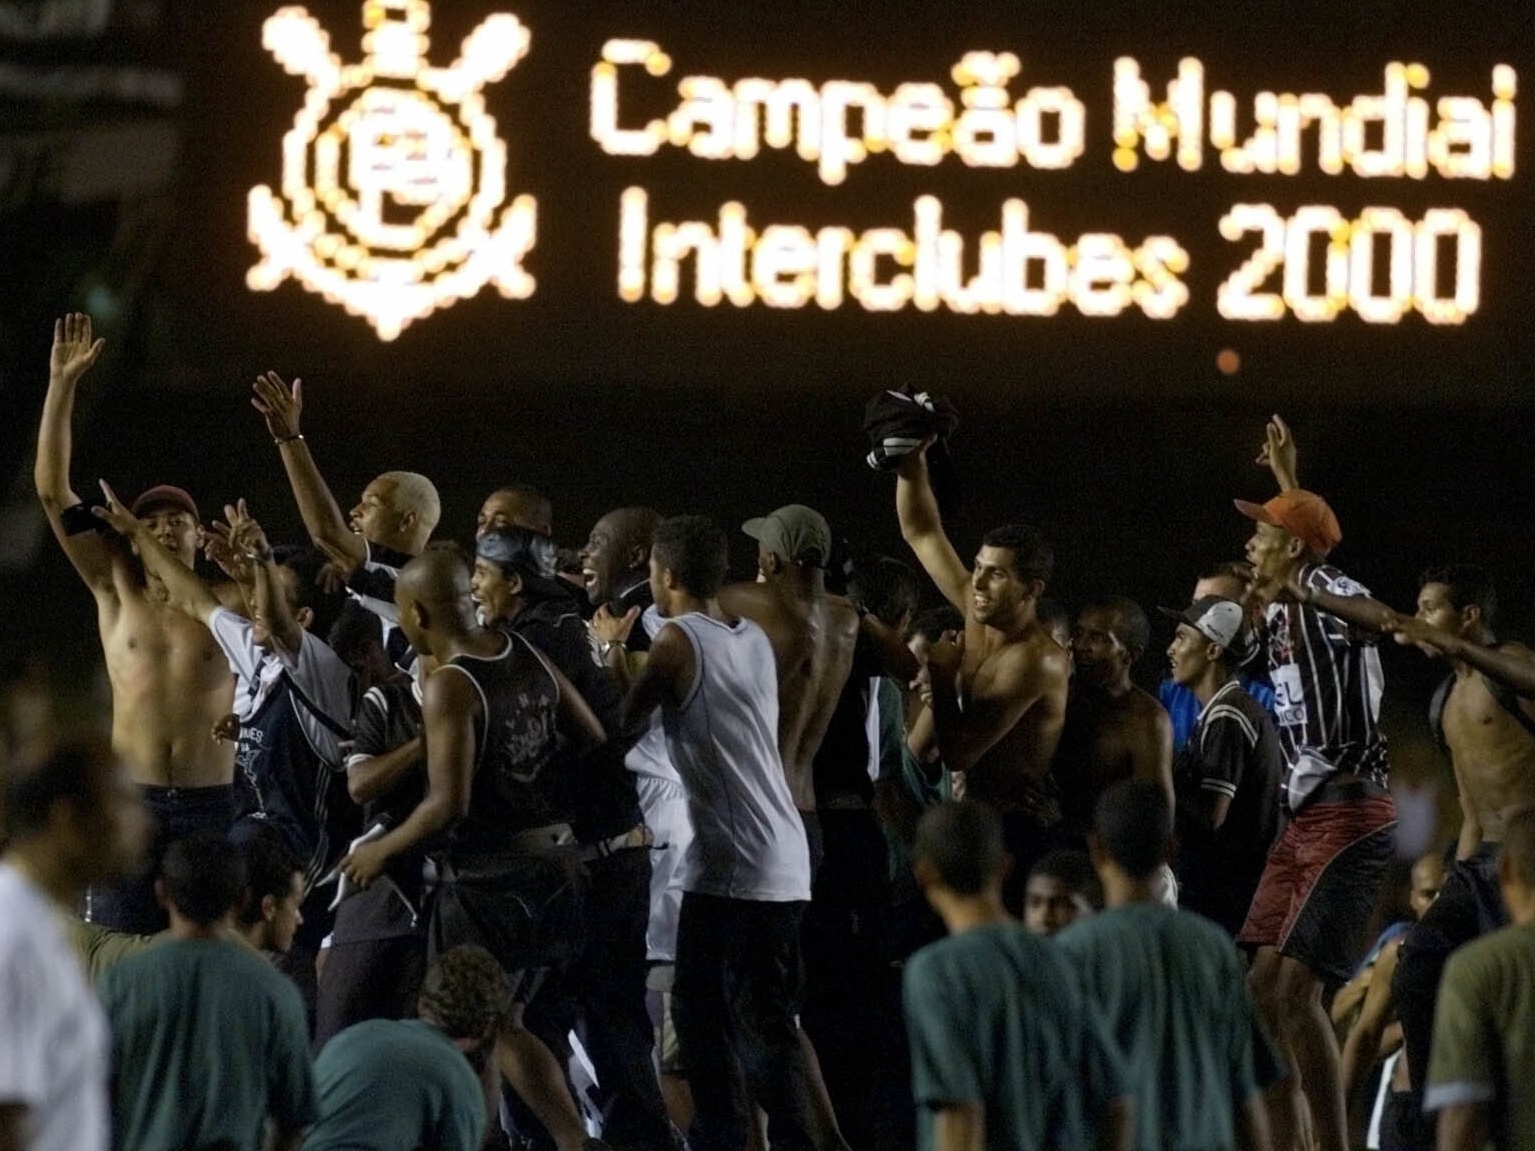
<point>208,1040</point>
<point>995,1017</point>
<point>396,1085</point>
<point>1173,992</point>
<point>1484,1034</point>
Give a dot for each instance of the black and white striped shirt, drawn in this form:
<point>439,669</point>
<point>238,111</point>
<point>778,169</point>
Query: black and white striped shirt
<point>1327,687</point>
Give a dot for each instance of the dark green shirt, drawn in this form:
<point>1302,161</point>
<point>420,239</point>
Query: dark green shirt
<point>995,1017</point>
<point>208,1040</point>
<point>1173,992</point>
<point>396,1085</point>
<point>1484,1034</point>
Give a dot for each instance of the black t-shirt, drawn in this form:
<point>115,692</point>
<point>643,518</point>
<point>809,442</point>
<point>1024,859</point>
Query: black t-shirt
<point>597,788</point>
<point>1235,751</point>
<point>389,716</point>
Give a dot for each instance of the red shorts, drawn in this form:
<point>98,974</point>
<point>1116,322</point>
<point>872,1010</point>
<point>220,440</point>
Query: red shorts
<point>1322,879</point>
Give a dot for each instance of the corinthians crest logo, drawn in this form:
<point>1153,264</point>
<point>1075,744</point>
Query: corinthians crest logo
<point>393,178</point>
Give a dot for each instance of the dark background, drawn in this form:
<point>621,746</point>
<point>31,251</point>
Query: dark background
<point>1118,435</point>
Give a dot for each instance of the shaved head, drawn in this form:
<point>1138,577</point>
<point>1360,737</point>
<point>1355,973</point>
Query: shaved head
<point>618,547</point>
<point>432,595</point>
<point>631,527</point>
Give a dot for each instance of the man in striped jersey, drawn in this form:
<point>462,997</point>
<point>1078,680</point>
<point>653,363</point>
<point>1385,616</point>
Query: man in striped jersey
<point>1228,772</point>
<point>1319,886</point>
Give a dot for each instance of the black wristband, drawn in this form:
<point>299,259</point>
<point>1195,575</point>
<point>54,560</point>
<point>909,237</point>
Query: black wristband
<point>281,440</point>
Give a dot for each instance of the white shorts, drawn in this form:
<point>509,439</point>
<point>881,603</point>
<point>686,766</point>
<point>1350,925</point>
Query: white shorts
<point>666,814</point>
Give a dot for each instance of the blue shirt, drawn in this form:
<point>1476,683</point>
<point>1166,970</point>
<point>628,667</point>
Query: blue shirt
<point>1183,706</point>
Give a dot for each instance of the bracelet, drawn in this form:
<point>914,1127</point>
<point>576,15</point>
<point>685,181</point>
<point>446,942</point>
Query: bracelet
<point>281,440</point>
<point>257,557</point>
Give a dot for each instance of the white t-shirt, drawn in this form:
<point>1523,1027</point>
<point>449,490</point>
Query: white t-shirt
<point>315,670</point>
<point>748,839</point>
<point>53,1036</point>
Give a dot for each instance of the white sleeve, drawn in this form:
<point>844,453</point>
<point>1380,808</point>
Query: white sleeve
<point>24,1030</point>
<point>326,680</point>
<point>238,641</point>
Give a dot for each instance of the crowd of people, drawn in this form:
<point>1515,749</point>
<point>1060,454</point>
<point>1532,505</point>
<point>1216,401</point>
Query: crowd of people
<point>401,842</point>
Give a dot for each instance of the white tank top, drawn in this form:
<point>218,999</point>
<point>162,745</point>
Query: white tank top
<point>748,841</point>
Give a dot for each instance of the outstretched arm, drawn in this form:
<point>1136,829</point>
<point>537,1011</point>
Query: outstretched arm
<point>277,626</point>
<point>922,529</point>
<point>74,351</point>
<point>1510,663</point>
<point>1278,454</point>
<point>1360,610</point>
<point>323,519</point>
<point>186,591</point>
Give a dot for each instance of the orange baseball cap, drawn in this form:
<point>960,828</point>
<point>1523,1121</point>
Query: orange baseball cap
<point>1305,515</point>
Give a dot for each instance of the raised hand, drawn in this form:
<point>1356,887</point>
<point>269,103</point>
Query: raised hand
<point>245,533</point>
<point>220,550</point>
<point>74,349</point>
<point>1278,453</point>
<point>280,405</point>
<point>118,518</point>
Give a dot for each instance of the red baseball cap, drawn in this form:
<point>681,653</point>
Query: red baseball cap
<point>1305,515</point>
<point>165,495</point>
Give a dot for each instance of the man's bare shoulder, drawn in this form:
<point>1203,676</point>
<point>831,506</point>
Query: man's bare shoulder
<point>1031,653</point>
<point>750,599</point>
<point>1145,705</point>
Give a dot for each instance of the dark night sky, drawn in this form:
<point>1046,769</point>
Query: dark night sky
<point>1117,434</point>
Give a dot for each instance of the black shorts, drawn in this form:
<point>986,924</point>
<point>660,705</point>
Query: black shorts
<point>177,812</point>
<point>525,909</point>
<point>1322,879</point>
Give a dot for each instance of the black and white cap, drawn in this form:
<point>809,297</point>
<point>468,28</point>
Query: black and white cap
<point>1218,619</point>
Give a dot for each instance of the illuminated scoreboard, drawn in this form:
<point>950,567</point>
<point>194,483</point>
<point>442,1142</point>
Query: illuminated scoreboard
<point>392,192</point>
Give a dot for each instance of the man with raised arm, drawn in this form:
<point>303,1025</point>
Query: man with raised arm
<point>999,692</point>
<point>1484,715</point>
<point>1310,914</point>
<point>494,714</point>
<point>390,524</point>
<point>170,685</point>
<point>294,697</point>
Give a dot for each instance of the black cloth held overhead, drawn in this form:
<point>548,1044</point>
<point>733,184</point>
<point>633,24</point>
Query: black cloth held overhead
<point>897,422</point>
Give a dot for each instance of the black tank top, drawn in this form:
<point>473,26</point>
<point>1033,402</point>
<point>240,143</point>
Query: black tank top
<point>517,739</point>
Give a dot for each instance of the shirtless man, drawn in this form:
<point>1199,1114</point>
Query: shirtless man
<point>1113,730</point>
<point>389,526</point>
<point>1486,721</point>
<point>1009,671</point>
<point>812,634</point>
<point>170,683</point>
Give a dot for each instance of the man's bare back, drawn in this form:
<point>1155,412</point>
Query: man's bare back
<point>1492,752</point>
<point>170,683</point>
<point>813,636</point>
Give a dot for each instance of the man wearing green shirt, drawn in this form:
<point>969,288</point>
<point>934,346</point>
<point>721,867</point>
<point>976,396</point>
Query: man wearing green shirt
<point>209,1041</point>
<point>396,1085</point>
<point>1483,1061</point>
<point>1171,987</point>
<point>1005,1052</point>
